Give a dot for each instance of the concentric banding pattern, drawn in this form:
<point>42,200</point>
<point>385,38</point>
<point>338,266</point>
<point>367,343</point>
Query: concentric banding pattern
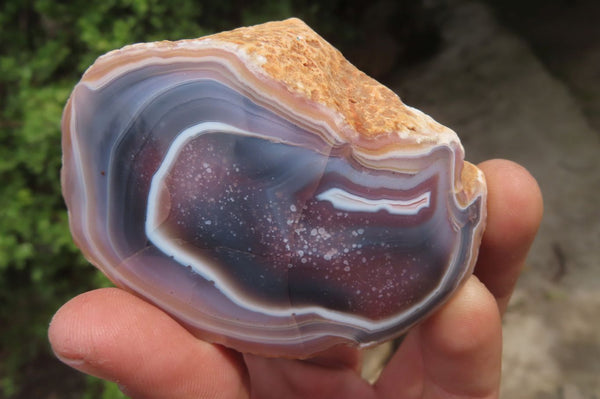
<point>250,227</point>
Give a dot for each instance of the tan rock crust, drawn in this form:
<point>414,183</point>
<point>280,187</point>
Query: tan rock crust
<point>291,53</point>
<point>310,69</point>
<point>308,65</point>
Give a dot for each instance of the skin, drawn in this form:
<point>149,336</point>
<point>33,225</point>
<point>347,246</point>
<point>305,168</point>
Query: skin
<point>456,353</point>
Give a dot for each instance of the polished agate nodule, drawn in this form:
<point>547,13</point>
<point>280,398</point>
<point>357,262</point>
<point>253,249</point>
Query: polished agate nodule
<point>266,193</point>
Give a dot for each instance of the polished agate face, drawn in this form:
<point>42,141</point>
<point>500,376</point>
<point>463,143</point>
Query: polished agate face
<point>277,211</point>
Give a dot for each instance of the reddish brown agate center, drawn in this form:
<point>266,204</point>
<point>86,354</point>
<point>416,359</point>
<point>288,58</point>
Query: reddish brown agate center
<point>246,213</point>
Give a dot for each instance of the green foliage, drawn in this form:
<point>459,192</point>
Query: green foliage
<point>46,46</point>
<point>98,389</point>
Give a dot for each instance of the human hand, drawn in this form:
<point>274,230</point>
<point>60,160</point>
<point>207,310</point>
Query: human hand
<point>456,353</point>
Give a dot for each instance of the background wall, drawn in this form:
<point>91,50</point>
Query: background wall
<point>515,79</point>
<point>523,82</point>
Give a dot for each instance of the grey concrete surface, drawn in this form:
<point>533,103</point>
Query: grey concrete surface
<point>487,84</point>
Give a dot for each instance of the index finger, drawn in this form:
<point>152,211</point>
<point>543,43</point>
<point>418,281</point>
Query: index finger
<point>514,214</point>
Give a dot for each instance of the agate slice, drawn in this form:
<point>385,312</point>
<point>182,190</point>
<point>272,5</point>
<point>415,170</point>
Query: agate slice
<point>265,193</point>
